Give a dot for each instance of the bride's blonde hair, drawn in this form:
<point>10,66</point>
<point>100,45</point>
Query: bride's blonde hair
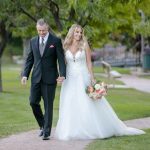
<point>69,38</point>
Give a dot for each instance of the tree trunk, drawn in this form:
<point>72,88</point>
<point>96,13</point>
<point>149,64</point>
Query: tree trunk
<point>58,23</point>
<point>1,87</point>
<point>26,43</point>
<point>55,12</point>
<point>4,35</point>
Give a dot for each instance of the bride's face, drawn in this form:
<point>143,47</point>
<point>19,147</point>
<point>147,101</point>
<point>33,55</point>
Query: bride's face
<point>77,34</point>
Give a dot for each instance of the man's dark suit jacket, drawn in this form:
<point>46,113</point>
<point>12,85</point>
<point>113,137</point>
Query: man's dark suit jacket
<point>45,67</point>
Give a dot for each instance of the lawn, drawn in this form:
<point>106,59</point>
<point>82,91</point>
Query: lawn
<point>16,115</point>
<point>145,76</point>
<point>99,69</point>
<point>140,142</point>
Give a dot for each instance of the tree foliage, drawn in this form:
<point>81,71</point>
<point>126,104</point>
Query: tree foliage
<point>100,18</point>
<point>103,20</point>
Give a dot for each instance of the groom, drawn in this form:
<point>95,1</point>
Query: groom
<point>45,50</point>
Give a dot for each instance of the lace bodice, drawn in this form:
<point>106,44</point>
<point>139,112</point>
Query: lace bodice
<point>78,58</point>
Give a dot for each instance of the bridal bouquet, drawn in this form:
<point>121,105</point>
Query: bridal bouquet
<point>97,90</point>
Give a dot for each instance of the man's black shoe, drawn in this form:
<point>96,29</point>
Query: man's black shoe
<point>46,136</point>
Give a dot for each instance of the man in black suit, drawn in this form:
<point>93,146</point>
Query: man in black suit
<point>44,52</point>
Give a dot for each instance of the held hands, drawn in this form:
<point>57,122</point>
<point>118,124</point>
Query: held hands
<point>60,80</point>
<point>24,80</point>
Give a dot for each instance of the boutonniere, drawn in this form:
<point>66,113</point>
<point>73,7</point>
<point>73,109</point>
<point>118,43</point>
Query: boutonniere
<point>51,46</point>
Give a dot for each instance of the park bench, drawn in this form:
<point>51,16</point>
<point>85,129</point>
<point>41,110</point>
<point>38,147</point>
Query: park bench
<point>111,74</point>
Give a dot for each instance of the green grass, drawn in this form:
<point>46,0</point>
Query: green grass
<point>15,112</point>
<point>16,115</point>
<point>146,76</point>
<point>129,103</point>
<point>119,69</point>
<point>140,142</point>
<point>14,109</point>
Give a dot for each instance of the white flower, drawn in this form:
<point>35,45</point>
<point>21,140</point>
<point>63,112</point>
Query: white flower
<point>97,87</point>
<point>103,84</point>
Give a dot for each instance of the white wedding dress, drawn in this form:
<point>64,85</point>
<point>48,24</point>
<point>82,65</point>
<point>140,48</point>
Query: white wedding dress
<point>79,116</point>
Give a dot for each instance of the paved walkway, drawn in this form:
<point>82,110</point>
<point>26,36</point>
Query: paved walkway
<point>143,123</point>
<point>133,81</point>
<point>30,140</point>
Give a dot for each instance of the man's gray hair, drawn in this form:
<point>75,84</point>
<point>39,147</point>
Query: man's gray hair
<point>42,22</point>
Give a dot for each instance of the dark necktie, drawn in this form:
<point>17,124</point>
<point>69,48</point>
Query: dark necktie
<point>42,42</point>
<point>42,46</point>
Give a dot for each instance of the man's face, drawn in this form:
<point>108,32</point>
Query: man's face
<point>42,30</point>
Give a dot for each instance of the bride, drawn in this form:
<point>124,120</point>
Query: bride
<point>79,116</point>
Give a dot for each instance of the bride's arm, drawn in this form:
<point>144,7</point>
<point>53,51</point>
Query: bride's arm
<point>89,62</point>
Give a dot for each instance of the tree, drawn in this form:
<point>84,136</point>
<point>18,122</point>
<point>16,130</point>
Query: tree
<point>3,41</point>
<point>103,20</point>
<point>20,16</point>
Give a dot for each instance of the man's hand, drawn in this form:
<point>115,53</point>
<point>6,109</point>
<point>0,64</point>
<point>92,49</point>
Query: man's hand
<point>60,80</point>
<point>24,80</point>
